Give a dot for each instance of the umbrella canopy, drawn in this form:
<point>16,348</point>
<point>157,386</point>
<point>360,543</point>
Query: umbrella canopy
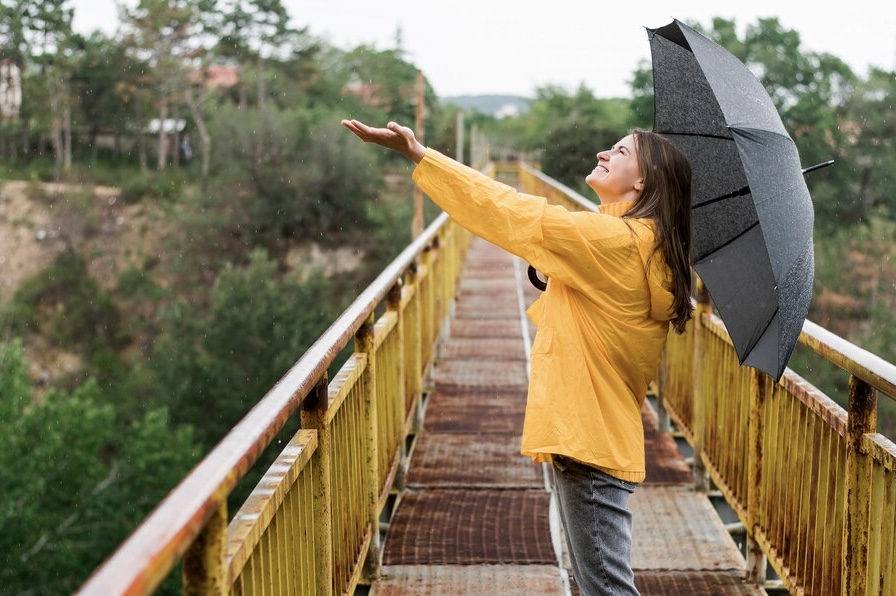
<point>753,215</point>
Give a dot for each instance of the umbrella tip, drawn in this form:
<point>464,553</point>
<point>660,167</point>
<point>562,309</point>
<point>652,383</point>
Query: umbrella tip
<point>818,166</point>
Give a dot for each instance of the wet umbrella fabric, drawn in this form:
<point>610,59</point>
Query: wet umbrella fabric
<point>753,216</point>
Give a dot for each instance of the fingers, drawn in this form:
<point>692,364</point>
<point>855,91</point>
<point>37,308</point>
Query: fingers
<point>357,127</point>
<point>394,136</point>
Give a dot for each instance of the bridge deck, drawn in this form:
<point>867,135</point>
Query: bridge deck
<point>476,517</point>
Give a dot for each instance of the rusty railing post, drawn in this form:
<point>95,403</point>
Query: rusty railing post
<point>757,562</point>
<point>862,420</point>
<point>704,306</point>
<point>205,563</point>
<point>365,344</point>
<point>315,411</point>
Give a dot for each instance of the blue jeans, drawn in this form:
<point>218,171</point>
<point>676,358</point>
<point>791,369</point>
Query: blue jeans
<point>598,525</point>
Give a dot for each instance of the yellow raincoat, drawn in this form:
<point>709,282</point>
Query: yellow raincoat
<point>602,322</point>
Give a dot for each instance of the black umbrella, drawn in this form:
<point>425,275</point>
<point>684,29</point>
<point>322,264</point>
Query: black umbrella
<point>753,215</point>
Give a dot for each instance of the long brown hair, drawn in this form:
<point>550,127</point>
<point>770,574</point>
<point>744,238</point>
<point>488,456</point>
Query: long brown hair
<point>666,198</point>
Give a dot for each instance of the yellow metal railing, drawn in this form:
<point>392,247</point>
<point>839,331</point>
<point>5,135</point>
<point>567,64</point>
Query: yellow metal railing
<point>813,484</point>
<point>311,526</point>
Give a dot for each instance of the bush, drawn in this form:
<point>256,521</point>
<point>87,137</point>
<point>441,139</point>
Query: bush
<point>75,483</point>
<point>214,364</point>
<point>300,180</point>
<point>165,185</point>
<point>137,283</point>
<point>64,296</point>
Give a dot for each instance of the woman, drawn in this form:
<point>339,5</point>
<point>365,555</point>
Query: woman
<point>617,280</point>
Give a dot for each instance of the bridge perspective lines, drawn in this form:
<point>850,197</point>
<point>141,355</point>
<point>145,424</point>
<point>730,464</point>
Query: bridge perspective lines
<point>476,517</point>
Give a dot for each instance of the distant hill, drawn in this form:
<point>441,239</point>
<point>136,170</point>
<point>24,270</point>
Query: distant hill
<point>498,106</point>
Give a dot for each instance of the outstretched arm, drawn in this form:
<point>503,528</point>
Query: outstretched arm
<point>394,136</point>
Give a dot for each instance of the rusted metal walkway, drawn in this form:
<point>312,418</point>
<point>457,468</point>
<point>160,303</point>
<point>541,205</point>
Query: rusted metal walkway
<point>477,516</point>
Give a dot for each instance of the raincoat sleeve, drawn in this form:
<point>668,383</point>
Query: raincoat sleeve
<point>564,245</point>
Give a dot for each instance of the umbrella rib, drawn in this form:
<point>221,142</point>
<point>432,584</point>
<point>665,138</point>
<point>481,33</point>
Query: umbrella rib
<point>730,240</point>
<point>730,195</point>
<point>695,134</point>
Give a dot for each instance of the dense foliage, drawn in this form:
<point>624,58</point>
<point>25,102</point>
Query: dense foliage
<point>193,330</point>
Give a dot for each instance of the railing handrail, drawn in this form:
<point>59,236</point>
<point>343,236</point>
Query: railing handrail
<point>857,361</point>
<point>575,197</point>
<point>166,534</point>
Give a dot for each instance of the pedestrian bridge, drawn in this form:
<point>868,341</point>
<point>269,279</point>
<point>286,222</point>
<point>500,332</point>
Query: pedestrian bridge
<point>406,478</point>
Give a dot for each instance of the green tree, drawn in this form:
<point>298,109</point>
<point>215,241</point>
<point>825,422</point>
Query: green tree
<point>73,484</point>
<point>213,367</point>
<point>166,34</point>
<point>570,152</point>
<point>554,109</point>
<point>310,180</point>
<point>383,78</point>
<point>106,80</point>
<point>870,126</point>
<point>38,33</point>
<point>251,31</point>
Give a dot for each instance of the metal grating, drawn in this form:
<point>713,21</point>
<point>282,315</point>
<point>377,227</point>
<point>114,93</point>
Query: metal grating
<point>677,528</point>
<point>486,328</point>
<point>694,584</point>
<point>482,374</point>
<point>471,580</point>
<point>487,307</point>
<point>484,348</point>
<point>475,410</point>
<point>468,527</point>
<point>472,460</point>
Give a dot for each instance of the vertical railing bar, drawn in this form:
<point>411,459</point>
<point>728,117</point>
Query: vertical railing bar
<point>862,420</point>
<point>875,534</point>
<point>803,528</point>
<point>821,509</point>
<point>315,413</point>
<point>394,303</point>
<point>757,564</point>
<point>364,343</point>
<point>888,570</point>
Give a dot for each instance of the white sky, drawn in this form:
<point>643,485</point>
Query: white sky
<point>515,46</point>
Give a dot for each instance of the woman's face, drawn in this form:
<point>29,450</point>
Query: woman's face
<point>617,176</point>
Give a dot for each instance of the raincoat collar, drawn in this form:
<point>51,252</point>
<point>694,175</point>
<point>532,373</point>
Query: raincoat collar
<point>617,209</point>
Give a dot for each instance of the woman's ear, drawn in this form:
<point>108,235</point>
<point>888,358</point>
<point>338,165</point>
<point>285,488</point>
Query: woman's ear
<point>639,184</point>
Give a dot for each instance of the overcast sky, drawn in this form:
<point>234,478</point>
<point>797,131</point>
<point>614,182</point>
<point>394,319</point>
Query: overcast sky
<point>516,46</point>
